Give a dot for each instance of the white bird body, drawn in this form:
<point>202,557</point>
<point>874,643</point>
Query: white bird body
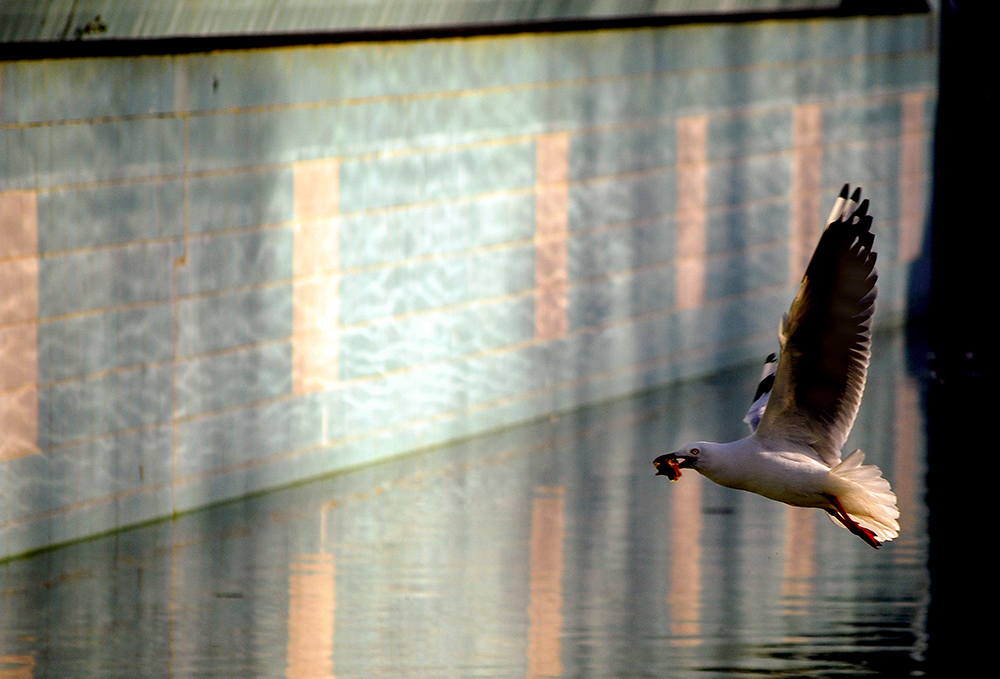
<point>796,476</point>
<point>791,476</point>
<point>807,399</point>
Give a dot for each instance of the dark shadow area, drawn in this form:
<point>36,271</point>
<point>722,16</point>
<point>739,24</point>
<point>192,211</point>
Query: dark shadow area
<point>959,329</point>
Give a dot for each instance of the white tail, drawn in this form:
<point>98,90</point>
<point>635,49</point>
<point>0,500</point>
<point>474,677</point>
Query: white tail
<point>869,500</point>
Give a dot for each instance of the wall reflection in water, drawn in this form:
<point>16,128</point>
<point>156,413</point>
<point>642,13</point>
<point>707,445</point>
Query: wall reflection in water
<point>312,599</point>
<point>545,550</point>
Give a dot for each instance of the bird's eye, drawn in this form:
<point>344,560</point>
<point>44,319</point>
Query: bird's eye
<point>695,451</point>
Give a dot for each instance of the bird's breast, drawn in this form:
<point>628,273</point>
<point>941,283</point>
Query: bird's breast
<point>790,477</point>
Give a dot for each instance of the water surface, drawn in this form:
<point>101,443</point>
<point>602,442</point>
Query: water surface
<point>549,549</point>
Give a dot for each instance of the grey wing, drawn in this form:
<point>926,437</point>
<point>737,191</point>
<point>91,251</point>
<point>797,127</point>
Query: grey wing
<point>759,403</point>
<point>826,337</point>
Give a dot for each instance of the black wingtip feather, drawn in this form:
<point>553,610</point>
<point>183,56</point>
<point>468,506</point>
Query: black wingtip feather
<point>764,387</point>
<point>862,208</point>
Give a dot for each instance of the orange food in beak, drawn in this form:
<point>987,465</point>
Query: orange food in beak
<point>674,472</point>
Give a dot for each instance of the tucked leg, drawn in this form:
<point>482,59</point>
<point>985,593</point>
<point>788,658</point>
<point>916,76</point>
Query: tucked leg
<point>850,524</point>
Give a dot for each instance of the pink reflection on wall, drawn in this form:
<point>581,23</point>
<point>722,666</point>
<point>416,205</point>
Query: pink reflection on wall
<point>551,234</point>
<point>807,174</point>
<point>18,323</point>
<point>912,177</point>
<point>316,271</point>
<point>692,198</point>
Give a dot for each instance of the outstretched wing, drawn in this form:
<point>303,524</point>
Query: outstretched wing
<point>826,337</point>
<point>759,403</point>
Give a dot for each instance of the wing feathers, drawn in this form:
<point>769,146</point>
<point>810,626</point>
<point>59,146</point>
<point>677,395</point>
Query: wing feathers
<point>759,404</point>
<point>826,343</point>
<point>838,205</point>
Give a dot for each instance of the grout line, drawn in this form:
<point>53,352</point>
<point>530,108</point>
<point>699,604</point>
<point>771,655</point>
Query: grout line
<point>423,150</point>
<point>476,91</point>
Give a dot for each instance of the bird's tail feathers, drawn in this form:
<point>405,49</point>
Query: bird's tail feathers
<point>870,500</point>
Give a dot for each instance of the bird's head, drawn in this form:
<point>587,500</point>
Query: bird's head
<point>671,464</point>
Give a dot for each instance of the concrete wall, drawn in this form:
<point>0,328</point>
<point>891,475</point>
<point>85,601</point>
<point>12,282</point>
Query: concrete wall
<point>224,272</point>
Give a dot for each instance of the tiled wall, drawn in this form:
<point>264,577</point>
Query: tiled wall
<point>224,272</point>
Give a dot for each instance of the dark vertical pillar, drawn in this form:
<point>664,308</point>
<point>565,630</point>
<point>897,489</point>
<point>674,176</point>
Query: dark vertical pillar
<point>962,417</point>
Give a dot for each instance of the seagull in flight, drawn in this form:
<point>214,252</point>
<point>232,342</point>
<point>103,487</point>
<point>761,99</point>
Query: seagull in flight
<point>809,395</point>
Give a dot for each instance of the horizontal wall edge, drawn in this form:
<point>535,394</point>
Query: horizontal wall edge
<point>94,40</point>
